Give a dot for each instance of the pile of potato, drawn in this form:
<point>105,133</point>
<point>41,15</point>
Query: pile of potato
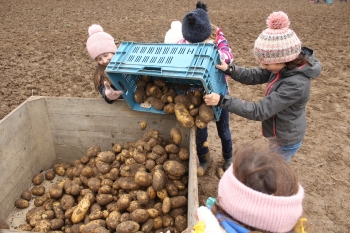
<point>188,107</point>
<point>139,186</point>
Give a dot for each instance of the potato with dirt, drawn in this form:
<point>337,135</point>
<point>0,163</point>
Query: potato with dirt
<point>183,116</point>
<point>139,215</point>
<point>26,195</point>
<point>21,203</point>
<point>174,168</point>
<point>143,178</point>
<point>38,190</point>
<point>206,113</point>
<point>127,227</point>
<point>81,210</point>
<point>38,179</point>
<point>158,180</point>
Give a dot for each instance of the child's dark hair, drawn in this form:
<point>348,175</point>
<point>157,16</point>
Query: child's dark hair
<point>299,61</point>
<point>260,169</point>
<point>100,76</point>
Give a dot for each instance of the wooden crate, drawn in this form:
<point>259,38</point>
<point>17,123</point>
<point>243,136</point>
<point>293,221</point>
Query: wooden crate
<point>45,130</point>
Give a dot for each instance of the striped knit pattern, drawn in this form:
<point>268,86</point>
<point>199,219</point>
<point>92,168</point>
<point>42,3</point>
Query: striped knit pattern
<point>277,45</point>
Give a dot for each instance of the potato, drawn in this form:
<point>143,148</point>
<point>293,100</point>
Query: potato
<point>67,201</point>
<point>38,179</point>
<point>157,103</point>
<point>151,192</point>
<point>176,212</point>
<point>141,83</point>
<point>55,191</point>
<point>166,207</point>
<point>156,92</point>
<point>21,203</point>
<point>150,164</point>
<point>23,227</point>
<point>104,199</point>
<point>196,100</point>
<point>206,113</point>
<point>180,223</point>
<point>150,134</point>
<point>94,184</point>
<point>183,116</point>
<point>38,190</point>
<point>200,123</point>
<point>158,223</point>
<point>113,220</point>
<point>106,156</point>
<point>153,213</point>
<point>206,144</point>
<point>178,201</point>
<point>159,82</point>
<point>26,195</point>
<point>168,221</point>
<point>59,170</point>
<point>139,215</point>
<point>81,210</point>
<point>172,148</point>
<point>193,112</point>
<point>143,178</point>
<point>103,167</point>
<point>123,202</point>
<point>174,168</point>
<point>34,211</point>
<point>184,153</point>
<point>50,174</point>
<point>176,135</point>
<point>158,180</point>
<point>140,157</point>
<point>127,227</point>
<point>56,224</point>
<point>169,109</point>
<point>171,189</point>
<point>42,226</point>
<point>182,99</point>
<point>147,226</point>
<point>133,206</point>
<point>128,183</point>
<point>57,208</point>
<point>142,197</point>
<point>146,78</point>
<point>117,148</point>
<point>158,149</point>
<point>93,151</point>
<point>143,125</point>
<point>161,194</point>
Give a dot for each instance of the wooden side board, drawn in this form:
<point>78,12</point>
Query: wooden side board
<point>46,130</point>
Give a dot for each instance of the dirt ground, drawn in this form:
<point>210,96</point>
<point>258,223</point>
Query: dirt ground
<point>43,53</point>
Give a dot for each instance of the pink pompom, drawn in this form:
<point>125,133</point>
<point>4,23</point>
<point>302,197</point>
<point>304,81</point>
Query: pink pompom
<point>94,29</point>
<point>278,20</point>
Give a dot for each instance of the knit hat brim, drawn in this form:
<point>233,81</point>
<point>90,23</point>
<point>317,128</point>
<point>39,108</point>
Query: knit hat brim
<point>256,209</point>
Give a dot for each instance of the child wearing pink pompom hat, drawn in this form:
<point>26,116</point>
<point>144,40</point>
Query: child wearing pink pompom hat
<point>101,47</point>
<point>287,68</point>
<point>259,192</point>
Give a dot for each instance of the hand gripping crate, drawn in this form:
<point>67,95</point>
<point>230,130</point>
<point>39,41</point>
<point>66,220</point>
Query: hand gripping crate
<point>192,64</point>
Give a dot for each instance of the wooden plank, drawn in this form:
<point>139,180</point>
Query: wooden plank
<point>41,131</point>
<point>192,198</point>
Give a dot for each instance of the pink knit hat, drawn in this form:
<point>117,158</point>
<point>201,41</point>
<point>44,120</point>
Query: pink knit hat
<point>277,43</point>
<point>99,41</point>
<point>256,209</point>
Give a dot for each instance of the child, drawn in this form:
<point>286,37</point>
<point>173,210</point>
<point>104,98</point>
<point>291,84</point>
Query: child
<point>287,68</point>
<point>259,192</point>
<point>101,48</point>
<point>196,27</point>
<point>174,34</point>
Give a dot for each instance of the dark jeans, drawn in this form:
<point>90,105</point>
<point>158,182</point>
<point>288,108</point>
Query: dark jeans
<point>223,129</point>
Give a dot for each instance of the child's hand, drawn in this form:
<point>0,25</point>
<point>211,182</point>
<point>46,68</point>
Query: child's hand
<point>223,66</point>
<point>110,93</point>
<point>212,99</point>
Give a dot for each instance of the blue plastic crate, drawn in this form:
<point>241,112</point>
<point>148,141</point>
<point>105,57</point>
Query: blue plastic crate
<point>192,64</point>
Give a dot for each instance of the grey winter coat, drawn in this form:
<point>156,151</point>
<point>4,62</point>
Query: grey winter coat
<point>282,110</point>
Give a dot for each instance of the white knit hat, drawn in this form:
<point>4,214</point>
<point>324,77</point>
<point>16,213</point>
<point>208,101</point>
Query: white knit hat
<point>277,43</point>
<point>256,209</point>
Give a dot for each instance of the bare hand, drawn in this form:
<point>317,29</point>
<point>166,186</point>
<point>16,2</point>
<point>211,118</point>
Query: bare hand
<point>110,93</point>
<point>223,66</point>
<point>212,99</point>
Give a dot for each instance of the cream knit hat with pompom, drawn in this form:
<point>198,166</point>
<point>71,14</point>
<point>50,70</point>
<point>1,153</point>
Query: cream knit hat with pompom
<point>277,43</point>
